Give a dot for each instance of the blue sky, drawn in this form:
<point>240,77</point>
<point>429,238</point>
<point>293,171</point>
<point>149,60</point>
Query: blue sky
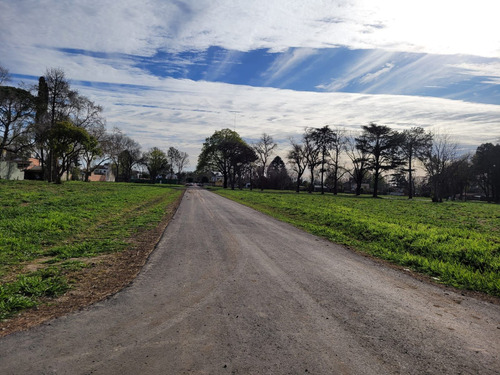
<point>169,73</point>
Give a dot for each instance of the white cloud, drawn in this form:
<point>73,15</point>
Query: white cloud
<point>190,111</point>
<point>182,113</point>
<point>367,78</point>
<point>490,70</point>
<point>368,62</point>
<point>286,62</point>
<point>142,28</point>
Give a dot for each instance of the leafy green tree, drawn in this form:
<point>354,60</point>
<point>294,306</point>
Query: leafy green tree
<point>66,142</point>
<point>156,162</point>
<point>242,155</point>
<point>382,144</point>
<point>277,174</point>
<point>57,102</point>
<point>217,153</point>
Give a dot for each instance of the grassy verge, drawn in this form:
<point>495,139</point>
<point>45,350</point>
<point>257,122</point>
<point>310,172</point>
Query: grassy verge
<point>47,231</point>
<point>457,243</point>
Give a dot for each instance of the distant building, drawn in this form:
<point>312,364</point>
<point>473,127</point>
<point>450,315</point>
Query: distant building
<point>217,179</point>
<point>104,174</point>
<point>11,170</point>
<point>34,170</point>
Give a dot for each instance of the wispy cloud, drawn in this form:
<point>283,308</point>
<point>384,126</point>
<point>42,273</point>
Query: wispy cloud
<point>286,62</point>
<point>133,55</point>
<point>367,78</point>
<point>191,111</point>
<point>490,71</point>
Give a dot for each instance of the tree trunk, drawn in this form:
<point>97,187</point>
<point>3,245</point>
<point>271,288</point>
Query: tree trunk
<point>410,180</point>
<point>311,185</point>
<point>375,183</point>
<point>224,182</point>
<point>322,175</point>
<point>358,188</point>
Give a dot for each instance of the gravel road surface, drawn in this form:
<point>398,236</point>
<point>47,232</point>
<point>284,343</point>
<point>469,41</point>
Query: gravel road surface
<point>231,291</point>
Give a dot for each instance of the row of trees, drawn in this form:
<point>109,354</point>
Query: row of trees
<point>375,155</point>
<point>66,131</point>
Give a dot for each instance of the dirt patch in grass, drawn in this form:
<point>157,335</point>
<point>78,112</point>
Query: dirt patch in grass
<point>104,276</point>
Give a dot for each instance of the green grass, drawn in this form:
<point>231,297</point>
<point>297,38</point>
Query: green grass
<point>27,289</point>
<point>61,222</point>
<point>455,242</point>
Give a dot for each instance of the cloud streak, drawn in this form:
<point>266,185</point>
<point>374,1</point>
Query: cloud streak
<point>131,57</point>
<point>192,111</point>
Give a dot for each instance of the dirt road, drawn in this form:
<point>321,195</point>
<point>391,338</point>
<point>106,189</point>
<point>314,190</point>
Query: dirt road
<point>231,291</point>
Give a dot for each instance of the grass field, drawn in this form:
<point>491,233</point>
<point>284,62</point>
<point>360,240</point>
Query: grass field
<point>56,226</point>
<point>456,243</point>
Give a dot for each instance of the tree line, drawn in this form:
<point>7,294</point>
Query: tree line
<point>376,155</point>
<point>66,132</point>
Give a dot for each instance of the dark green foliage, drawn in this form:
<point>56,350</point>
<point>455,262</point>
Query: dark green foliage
<point>156,162</point>
<point>486,165</point>
<point>382,145</point>
<point>277,175</point>
<point>227,153</point>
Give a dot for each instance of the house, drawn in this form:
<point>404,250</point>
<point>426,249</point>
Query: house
<point>11,170</point>
<point>33,171</point>
<point>350,187</point>
<point>217,179</point>
<point>103,173</point>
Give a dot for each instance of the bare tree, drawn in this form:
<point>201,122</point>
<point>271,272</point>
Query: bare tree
<point>16,120</point>
<point>436,159</point>
<point>312,152</point>
<point>264,149</point>
<point>125,153</point>
<point>181,162</point>
<point>4,75</point>
<point>58,106</point>
<point>94,158</point>
<point>298,162</point>
<point>173,156</point>
<point>336,147</point>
